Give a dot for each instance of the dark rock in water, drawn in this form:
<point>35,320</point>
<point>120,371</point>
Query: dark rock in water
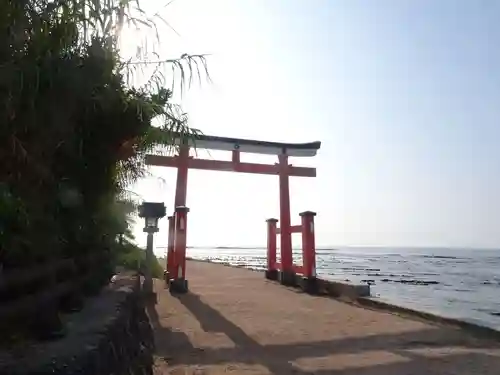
<point>495,313</point>
<point>385,280</point>
<point>433,282</point>
<point>487,282</point>
<point>369,282</point>
<point>418,282</point>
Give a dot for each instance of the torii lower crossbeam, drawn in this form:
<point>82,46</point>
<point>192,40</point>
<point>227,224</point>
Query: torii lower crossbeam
<point>229,166</point>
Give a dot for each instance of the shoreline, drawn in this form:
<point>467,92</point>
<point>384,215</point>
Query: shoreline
<point>373,303</point>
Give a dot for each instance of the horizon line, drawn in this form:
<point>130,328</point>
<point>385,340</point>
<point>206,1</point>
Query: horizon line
<point>333,247</point>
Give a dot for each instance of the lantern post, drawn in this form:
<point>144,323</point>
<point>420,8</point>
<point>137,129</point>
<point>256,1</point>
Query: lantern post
<point>151,212</point>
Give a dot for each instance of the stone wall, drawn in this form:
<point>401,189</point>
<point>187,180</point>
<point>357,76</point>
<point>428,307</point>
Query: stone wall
<point>111,335</point>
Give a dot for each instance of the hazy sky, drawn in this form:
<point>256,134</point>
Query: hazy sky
<point>404,96</point>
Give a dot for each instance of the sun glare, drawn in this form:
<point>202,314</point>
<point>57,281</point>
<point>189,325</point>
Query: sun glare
<point>130,42</point>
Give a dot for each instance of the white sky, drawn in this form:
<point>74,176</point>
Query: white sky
<point>287,71</point>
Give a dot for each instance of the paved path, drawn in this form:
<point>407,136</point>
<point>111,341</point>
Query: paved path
<point>234,321</point>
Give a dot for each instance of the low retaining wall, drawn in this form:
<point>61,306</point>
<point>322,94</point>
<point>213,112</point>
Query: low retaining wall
<point>111,335</point>
<point>332,288</point>
<point>476,329</point>
<point>343,289</point>
<point>326,287</point>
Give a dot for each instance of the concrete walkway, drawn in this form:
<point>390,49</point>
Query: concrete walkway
<point>234,321</point>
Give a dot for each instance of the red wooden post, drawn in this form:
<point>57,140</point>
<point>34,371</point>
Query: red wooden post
<point>309,282</point>
<point>287,276</point>
<point>179,282</point>
<point>236,156</point>
<point>182,176</point>
<point>308,244</point>
<point>271,272</point>
<point>170,247</point>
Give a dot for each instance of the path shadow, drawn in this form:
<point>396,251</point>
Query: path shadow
<point>166,341</point>
<point>278,358</point>
<point>458,364</point>
<point>247,349</point>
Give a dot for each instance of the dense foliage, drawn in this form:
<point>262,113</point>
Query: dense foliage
<point>73,132</point>
<point>132,257</point>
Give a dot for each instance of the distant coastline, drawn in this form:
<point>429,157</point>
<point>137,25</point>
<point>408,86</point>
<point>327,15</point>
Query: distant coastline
<point>354,247</point>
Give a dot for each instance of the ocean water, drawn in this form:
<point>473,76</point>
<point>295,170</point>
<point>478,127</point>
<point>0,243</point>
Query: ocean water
<point>457,283</point>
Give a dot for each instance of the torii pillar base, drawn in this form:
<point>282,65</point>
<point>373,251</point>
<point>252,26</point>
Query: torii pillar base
<point>309,285</point>
<point>272,275</point>
<point>178,283</point>
<point>287,278</point>
<point>178,286</point>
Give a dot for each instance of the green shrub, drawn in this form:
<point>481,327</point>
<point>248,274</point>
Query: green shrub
<point>132,257</point>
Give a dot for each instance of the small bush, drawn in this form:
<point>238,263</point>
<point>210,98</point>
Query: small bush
<point>133,257</point>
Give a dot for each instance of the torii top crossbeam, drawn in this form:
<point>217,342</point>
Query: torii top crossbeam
<point>237,146</point>
<point>252,146</point>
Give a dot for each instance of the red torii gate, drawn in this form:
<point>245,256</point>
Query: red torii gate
<point>176,249</point>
